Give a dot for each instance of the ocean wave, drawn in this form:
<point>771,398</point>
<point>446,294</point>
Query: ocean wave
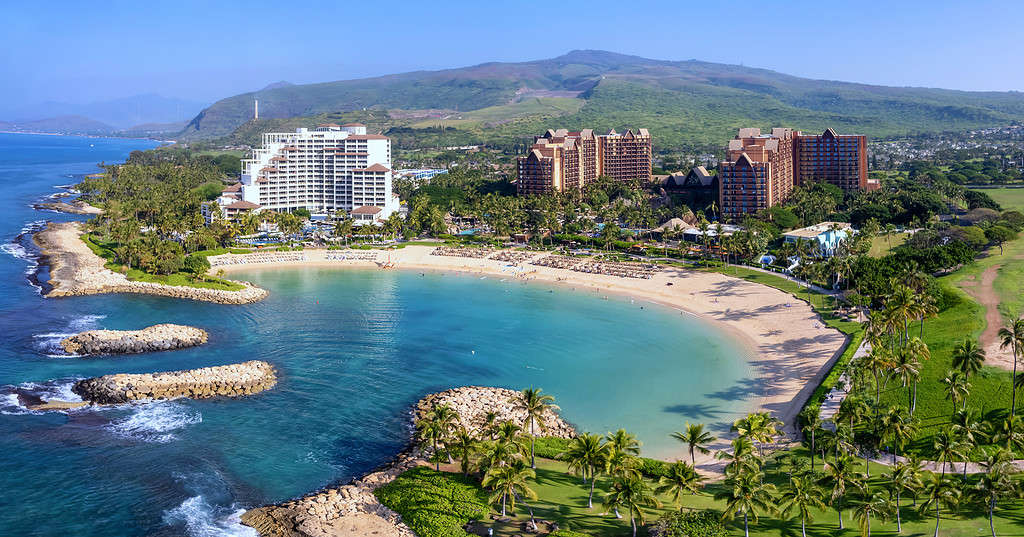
<point>48,343</point>
<point>21,247</point>
<point>155,421</point>
<point>201,519</point>
<point>60,390</point>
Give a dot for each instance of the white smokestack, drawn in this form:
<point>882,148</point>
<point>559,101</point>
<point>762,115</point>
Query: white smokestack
<point>255,108</point>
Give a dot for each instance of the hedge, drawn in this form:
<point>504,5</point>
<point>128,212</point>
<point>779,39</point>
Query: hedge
<point>434,503</point>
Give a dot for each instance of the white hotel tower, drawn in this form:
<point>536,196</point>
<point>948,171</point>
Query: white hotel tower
<point>324,170</point>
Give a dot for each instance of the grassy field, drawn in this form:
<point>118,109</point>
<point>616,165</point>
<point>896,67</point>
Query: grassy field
<point>1008,198</point>
<point>541,107</point>
<point>882,244</point>
<point>563,498</point>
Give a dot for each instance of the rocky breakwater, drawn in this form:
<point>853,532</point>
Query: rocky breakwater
<point>353,509</point>
<point>233,380</point>
<point>160,337</point>
<point>473,403</point>
<point>75,270</point>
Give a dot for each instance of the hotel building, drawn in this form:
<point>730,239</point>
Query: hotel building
<point>761,170</point>
<point>757,172</point>
<point>838,159</point>
<point>326,169</point>
<point>561,160</point>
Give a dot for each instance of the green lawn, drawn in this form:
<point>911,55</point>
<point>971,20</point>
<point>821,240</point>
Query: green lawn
<point>562,498</point>
<point>881,244</point>
<point>1008,198</point>
<point>105,250</point>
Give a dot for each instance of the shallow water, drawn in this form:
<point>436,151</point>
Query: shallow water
<point>355,349</point>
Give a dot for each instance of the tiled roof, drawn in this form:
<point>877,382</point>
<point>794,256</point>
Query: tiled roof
<point>243,205</point>
<point>367,209</point>
<point>375,168</point>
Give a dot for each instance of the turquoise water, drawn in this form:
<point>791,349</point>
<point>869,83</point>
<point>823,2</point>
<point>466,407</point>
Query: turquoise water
<point>355,349</point>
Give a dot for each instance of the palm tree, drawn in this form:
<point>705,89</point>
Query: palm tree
<point>1007,432</point>
<point>742,458</point>
<point>898,429</point>
<point>907,369</point>
<point>746,493</point>
<point>695,438</point>
<point>877,505</point>
<point>681,478</point>
<point>508,483</point>
<point>903,477</point>
<point>877,361</point>
<point>995,483</point>
<point>957,388</point>
<point>840,474</point>
<point>968,357</point>
<point>435,428</point>
<point>759,427</point>
<point>939,491</point>
<point>535,405</point>
<point>812,420</point>
<point>802,495</point>
<point>948,447</point>
<point>631,494</point>
<point>968,430</point>
<point>919,350</point>
<point>623,442</point>
<point>466,447</point>
<point>1012,336</point>
<point>586,456</point>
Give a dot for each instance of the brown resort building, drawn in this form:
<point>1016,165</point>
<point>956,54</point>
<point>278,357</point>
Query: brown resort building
<point>561,160</point>
<point>761,170</point>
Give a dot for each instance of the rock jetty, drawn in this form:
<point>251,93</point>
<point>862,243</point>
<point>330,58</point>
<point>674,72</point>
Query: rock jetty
<point>75,207</point>
<point>353,509</point>
<point>160,337</point>
<point>472,403</point>
<point>75,270</point>
<point>233,380</point>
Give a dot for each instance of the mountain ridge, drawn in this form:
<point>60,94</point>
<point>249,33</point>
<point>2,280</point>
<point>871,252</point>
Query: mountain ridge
<point>712,98</point>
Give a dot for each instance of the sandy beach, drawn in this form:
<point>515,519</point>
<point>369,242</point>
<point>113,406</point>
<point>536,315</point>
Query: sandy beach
<point>791,349</point>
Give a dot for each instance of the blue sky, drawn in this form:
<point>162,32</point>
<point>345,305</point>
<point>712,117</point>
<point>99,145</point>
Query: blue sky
<point>88,51</point>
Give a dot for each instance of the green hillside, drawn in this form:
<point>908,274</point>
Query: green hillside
<point>683,103</point>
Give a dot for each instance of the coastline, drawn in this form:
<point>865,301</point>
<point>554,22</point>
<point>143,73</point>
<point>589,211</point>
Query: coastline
<point>75,270</point>
<point>791,349</point>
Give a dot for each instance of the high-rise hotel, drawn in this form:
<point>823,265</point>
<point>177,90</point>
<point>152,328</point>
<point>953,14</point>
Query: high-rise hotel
<point>326,169</point>
<point>761,170</point>
<point>561,160</point>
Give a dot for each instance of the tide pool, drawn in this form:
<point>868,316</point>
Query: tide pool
<point>354,348</point>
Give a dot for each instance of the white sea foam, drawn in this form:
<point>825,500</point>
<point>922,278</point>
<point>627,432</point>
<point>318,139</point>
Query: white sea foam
<point>155,421</point>
<point>200,519</point>
<point>10,406</point>
<point>54,390</point>
<point>49,342</point>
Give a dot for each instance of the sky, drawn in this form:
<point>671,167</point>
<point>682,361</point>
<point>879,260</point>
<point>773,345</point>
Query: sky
<point>84,52</point>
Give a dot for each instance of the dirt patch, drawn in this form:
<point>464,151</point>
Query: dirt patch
<point>986,295</point>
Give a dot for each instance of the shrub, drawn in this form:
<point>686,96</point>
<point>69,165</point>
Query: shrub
<point>550,447</point>
<point>653,468</point>
<point>434,503</point>
<point>690,524</point>
<point>567,533</point>
<point>196,264</point>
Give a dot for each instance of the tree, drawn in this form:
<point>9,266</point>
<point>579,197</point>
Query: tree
<point>998,234</point>
<point>842,477</point>
<point>996,483</point>
<point>877,505</point>
<point>968,357</point>
<point>466,447</point>
<point>742,458</point>
<point>908,370</point>
<point>811,416</point>
<point>897,428</point>
<point>435,428</point>
<point>623,442</point>
<point>695,438</point>
<point>948,447</point>
<point>939,491</point>
<point>903,477</point>
<point>803,496</point>
<point>957,388</point>
<point>633,495</point>
<point>1012,336</point>
<point>920,351</point>
<point>681,478</point>
<point>508,483</point>
<point>746,493</point>
<point>586,456</point>
<point>535,405</point>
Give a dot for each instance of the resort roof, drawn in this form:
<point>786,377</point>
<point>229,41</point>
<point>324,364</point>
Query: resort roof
<point>237,187</point>
<point>375,168</point>
<point>367,209</point>
<point>367,137</point>
<point>242,205</point>
<point>817,229</point>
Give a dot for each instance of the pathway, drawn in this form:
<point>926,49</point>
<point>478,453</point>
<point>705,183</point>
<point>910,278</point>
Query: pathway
<point>983,291</point>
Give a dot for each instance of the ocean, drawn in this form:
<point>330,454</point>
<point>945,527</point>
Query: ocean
<point>354,348</point>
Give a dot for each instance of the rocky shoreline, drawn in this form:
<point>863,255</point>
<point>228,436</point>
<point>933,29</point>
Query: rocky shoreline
<point>353,509</point>
<point>74,207</point>
<point>159,337</point>
<point>75,270</point>
<point>234,380</point>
